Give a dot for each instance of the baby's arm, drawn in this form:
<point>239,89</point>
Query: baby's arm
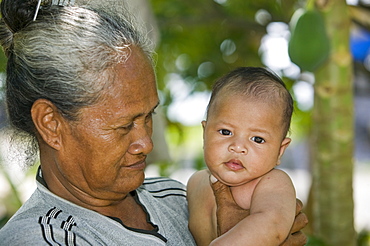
<point>202,208</point>
<point>271,214</point>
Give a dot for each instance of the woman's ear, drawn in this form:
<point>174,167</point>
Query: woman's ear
<point>284,144</point>
<point>48,122</point>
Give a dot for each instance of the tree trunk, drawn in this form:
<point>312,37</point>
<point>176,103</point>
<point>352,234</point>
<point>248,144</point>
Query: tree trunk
<point>333,133</point>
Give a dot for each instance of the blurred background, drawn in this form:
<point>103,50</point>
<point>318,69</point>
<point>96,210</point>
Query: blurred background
<point>198,41</point>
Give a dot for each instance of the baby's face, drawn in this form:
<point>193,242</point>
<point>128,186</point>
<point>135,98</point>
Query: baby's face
<point>242,138</point>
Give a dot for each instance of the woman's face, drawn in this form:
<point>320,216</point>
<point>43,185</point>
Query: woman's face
<point>103,153</point>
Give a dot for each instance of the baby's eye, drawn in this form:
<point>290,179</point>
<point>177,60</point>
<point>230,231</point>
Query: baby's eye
<point>258,140</point>
<point>225,132</point>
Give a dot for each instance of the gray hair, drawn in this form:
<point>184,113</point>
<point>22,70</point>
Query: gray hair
<point>61,55</point>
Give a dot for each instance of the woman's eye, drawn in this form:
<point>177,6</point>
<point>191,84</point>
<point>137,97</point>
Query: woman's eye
<point>225,132</point>
<point>149,117</point>
<point>258,140</point>
<point>127,127</point>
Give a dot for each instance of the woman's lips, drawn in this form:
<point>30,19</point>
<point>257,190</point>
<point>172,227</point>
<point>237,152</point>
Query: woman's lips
<point>234,165</point>
<point>138,165</point>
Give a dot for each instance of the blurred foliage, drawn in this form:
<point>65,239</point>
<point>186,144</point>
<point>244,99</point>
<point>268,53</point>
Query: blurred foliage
<point>314,241</point>
<point>196,32</point>
<point>203,40</point>
<point>3,61</point>
<point>363,238</point>
<point>12,200</point>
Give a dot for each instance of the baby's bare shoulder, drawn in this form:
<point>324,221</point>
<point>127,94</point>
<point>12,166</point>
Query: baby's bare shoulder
<point>277,173</point>
<point>198,179</point>
<point>199,187</point>
<point>276,178</point>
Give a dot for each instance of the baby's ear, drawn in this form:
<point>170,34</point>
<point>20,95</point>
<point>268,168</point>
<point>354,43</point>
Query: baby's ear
<point>284,144</point>
<point>204,123</point>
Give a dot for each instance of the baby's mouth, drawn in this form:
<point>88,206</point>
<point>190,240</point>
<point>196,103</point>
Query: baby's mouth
<point>234,165</point>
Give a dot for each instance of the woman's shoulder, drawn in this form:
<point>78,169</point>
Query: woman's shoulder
<point>164,189</point>
<point>32,226</point>
<point>20,232</point>
<point>155,183</point>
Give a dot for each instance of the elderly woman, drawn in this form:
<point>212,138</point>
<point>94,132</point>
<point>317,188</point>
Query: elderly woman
<point>81,82</point>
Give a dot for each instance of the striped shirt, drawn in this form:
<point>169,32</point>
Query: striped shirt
<point>46,219</point>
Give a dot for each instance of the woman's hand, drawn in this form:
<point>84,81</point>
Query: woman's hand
<point>228,212</point>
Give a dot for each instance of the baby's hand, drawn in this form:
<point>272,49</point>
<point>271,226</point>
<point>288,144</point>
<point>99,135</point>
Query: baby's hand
<point>228,212</point>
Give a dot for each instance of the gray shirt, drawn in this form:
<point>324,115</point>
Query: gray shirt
<point>46,219</point>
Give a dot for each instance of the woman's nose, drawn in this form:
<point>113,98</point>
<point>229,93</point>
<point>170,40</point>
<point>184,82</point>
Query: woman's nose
<point>142,143</point>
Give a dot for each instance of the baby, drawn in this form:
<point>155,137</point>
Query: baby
<point>248,118</point>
